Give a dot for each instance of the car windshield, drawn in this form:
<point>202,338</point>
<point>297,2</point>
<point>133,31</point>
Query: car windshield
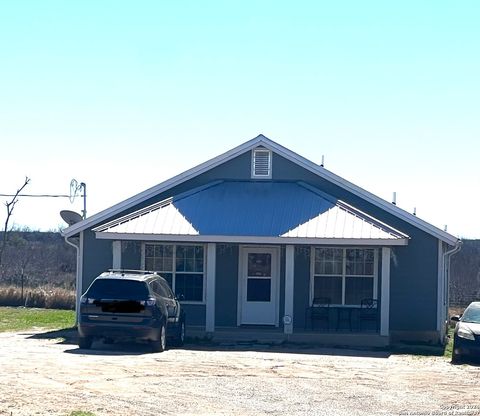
<point>472,314</point>
<point>118,289</point>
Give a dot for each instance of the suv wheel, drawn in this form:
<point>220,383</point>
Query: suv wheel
<point>160,345</point>
<point>456,358</point>
<point>85,342</point>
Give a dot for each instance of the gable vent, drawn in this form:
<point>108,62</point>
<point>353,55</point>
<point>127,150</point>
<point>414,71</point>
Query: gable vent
<point>262,163</point>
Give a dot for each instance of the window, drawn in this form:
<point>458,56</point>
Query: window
<point>117,289</point>
<point>261,163</point>
<point>161,289</point>
<point>345,275</point>
<point>182,266</point>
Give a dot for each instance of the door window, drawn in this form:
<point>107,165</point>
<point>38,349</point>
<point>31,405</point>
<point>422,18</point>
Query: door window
<point>259,277</point>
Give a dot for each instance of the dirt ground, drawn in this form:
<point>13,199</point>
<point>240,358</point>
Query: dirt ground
<point>41,376</point>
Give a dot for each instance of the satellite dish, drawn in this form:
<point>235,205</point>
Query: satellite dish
<point>70,217</point>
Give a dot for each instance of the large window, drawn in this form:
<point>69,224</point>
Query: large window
<point>345,275</point>
<point>181,265</point>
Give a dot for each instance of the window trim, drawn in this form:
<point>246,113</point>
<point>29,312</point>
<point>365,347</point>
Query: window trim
<point>174,272</point>
<point>343,276</point>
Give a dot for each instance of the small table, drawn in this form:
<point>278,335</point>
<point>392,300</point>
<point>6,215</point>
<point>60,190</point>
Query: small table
<point>344,315</point>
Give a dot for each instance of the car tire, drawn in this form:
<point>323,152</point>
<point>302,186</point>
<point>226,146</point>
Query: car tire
<point>160,344</point>
<point>456,357</point>
<point>179,339</point>
<point>85,342</point>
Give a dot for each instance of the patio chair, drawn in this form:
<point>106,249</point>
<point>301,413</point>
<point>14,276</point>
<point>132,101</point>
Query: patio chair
<point>320,311</point>
<point>368,312</point>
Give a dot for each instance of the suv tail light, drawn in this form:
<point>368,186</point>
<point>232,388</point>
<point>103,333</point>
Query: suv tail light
<point>84,300</point>
<point>148,302</point>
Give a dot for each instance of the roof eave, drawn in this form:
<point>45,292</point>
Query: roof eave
<point>252,239</point>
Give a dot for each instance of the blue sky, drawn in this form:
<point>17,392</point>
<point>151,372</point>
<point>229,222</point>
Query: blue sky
<point>123,95</point>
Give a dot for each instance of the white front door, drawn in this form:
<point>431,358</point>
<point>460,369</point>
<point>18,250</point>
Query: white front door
<point>258,285</point>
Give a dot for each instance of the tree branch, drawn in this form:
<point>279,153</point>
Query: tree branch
<point>10,205</point>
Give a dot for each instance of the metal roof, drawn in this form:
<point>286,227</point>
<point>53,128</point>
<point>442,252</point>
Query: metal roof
<point>255,209</point>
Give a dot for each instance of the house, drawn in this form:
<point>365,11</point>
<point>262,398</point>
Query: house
<point>260,242</point>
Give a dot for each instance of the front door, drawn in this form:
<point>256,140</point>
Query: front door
<point>258,288</point>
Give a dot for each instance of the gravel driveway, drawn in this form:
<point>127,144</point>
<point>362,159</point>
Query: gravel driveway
<point>41,376</point>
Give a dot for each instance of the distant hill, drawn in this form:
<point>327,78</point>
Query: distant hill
<point>44,258</point>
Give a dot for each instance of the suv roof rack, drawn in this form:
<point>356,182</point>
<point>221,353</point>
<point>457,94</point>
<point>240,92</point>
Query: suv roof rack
<point>131,271</point>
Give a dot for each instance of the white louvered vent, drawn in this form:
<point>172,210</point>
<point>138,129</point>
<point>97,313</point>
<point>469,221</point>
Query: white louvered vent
<point>262,163</point>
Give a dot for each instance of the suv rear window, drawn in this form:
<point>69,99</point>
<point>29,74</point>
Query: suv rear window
<point>118,289</point>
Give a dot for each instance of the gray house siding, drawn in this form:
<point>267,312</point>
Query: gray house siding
<point>414,285</point>
<point>97,257</point>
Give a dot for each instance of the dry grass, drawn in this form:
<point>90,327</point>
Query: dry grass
<point>455,310</point>
<point>38,297</point>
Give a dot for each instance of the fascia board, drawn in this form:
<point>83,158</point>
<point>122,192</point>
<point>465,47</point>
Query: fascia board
<point>251,239</point>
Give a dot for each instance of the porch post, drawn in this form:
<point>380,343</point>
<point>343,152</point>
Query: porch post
<point>289,283</point>
<point>116,254</point>
<point>210,294</point>
<point>385,296</point>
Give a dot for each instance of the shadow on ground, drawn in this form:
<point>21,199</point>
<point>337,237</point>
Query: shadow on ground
<point>64,336</point>
<point>69,337</point>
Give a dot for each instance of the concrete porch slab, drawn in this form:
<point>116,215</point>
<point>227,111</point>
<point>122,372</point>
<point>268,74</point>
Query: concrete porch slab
<point>276,335</point>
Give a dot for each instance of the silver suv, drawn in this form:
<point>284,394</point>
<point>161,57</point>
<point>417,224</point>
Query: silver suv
<point>131,304</point>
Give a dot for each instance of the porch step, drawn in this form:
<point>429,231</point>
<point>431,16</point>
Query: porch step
<point>276,336</point>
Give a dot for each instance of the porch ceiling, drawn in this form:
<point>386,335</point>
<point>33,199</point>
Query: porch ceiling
<point>249,212</point>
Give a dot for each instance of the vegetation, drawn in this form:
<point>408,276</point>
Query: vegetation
<point>10,206</point>
<point>449,347</point>
<point>18,319</point>
<point>49,297</point>
<point>35,259</point>
<point>38,270</point>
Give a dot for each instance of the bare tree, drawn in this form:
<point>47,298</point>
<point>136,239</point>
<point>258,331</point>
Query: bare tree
<point>10,205</point>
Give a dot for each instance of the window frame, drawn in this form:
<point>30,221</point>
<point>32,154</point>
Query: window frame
<point>344,274</point>
<point>174,272</point>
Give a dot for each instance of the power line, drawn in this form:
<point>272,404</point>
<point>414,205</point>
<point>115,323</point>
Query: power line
<point>39,195</point>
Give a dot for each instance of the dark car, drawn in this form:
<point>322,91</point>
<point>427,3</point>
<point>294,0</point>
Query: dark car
<point>466,340</point>
<point>130,304</point>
